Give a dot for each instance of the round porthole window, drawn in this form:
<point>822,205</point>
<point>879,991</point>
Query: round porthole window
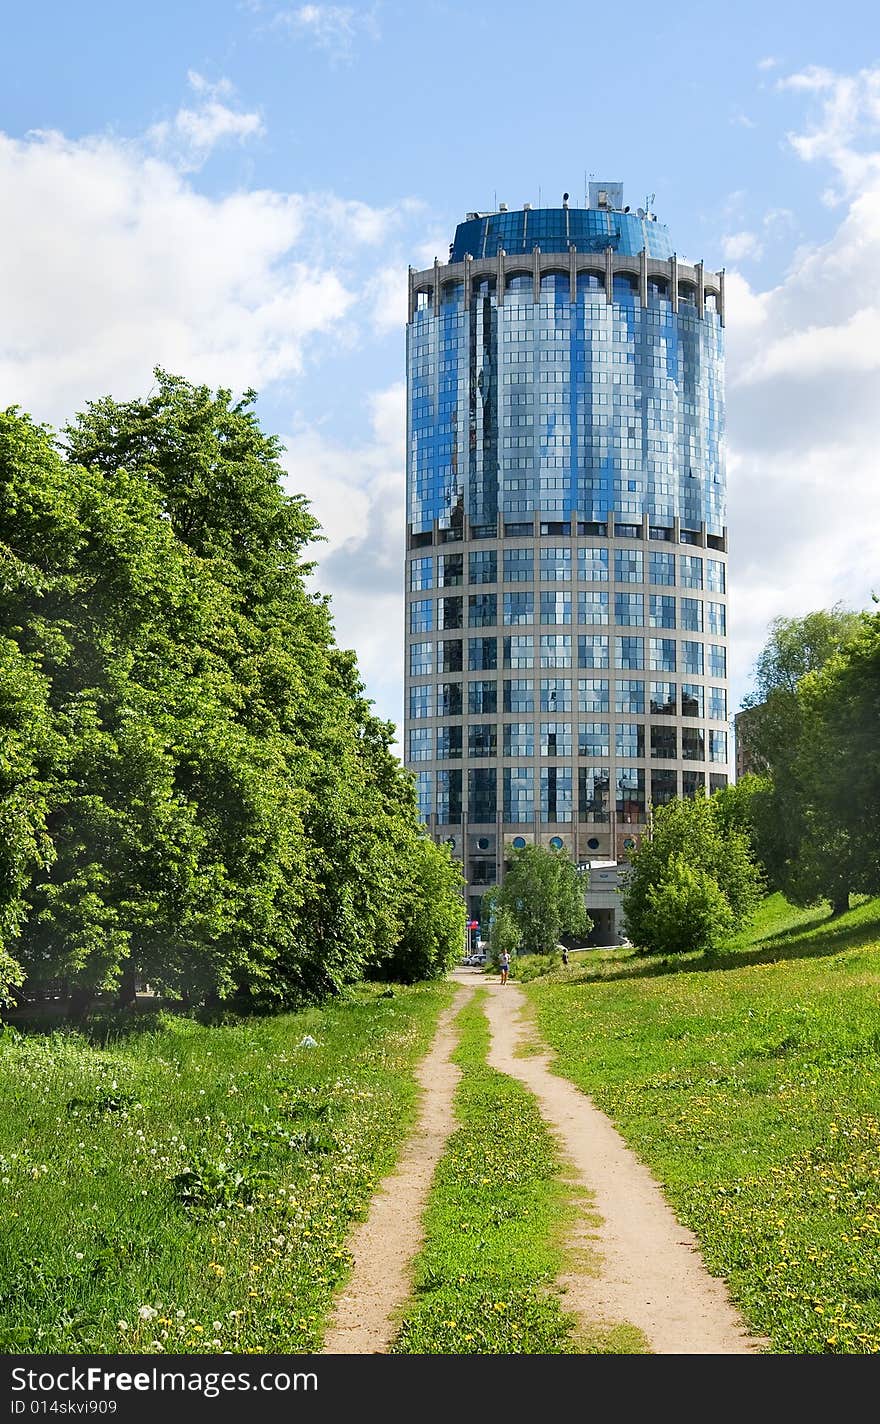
<point>556,842</point>
<point>518,843</point>
<point>593,843</point>
<point>483,842</point>
<point>629,843</point>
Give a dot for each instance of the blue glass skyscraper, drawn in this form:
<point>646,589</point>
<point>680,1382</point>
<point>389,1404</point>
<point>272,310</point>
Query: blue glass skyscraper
<point>566,644</point>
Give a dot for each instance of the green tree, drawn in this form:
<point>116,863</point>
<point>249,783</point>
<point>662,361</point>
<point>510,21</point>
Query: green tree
<point>543,891</point>
<point>686,911</point>
<point>796,845</point>
<point>689,833</point>
<point>197,789</point>
<point>504,934</point>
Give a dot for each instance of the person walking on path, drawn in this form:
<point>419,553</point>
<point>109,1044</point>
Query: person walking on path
<point>505,965</point>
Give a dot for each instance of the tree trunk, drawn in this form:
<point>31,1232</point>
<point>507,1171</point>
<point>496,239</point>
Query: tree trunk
<point>840,903</point>
<point>126,995</point>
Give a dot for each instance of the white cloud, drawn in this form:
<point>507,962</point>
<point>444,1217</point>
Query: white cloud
<point>768,63</point>
<point>802,364</point>
<point>332,28</point>
<point>738,246</point>
<point>193,133</point>
<point>357,494</point>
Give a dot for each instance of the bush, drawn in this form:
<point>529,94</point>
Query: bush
<point>687,911</point>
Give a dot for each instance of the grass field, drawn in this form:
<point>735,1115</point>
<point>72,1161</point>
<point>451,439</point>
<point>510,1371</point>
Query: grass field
<point>750,1083</point>
<point>191,1189</point>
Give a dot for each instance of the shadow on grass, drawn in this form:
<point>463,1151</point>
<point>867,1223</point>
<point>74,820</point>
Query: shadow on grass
<point>815,940</point>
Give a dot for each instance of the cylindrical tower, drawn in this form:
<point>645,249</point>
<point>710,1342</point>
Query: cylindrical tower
<point>566,591</point>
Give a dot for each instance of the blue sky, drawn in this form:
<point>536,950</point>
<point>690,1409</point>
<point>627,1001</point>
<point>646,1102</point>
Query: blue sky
<point>234,191</point>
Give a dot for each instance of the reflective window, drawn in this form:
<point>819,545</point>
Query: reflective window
<point>556,793</point>
<point>555,694</point>
<point>630,739</point>
<point>421,573</point>
<point>519,794</point>
<point>629,653</point>
<point>519,651</point>
<point>590,286</point>
<point>715,580</point>
<point>555,606</point>
<point>629,695</point>
<point>482,739</point>
<point>662,654</point>
<point>628,566</point>
<point>482,654</point>
<point>420,661</point>
<point>555,650</point>
<point>691,655</point>
<point>449,799</point>
<point>664,742</point>
<point>421,701</point>
<point>630,794</point>
<point>519,608</point>
<point>421,743</point>
<point>661,568</point>
<point>593,786</point>
<point>519,695</point>
<point>691,699</point>
<point>519,565</point>
<point>629,608</point>
<point>692,782</point>
<point>690,570</point>
<point>482,697</point>
<point>423,794</point>
<point>717,660</point>
<point>450,570</point>
<point>716,619</point>
<point>449,699</point>
<point>718,704</point>
<point>593,739</point>
<point>624,288</point>
<point>717,745</point>
<point>483,566</point>
<point>556,739</point>
<point>519,739</point>
<point>449,612</point>
<point>593,565</point>
<point>692,615</point>
<point>693,744</point>
<point>664,785</point>
<point>662,610</point>
<point>662,699</point>
<point>592,650</point>
<point>482,610</point>
<point>449,743</point>
<point>449,655</point>
<point>555,564</point>
<point>593,605</point>
<point>593,694</point>
<point>421,616</point>
<point>482,794</point>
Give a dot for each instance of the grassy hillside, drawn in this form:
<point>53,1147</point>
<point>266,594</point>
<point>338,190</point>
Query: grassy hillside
<point>749,1083</point>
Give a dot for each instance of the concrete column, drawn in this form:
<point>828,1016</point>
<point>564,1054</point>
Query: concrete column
<point>673,281</point>
<point>643,276</point>
<point>676,530</point>
<point>468,264</point>
<point>411,298</point>
<point>703,534</point>
<point>701,290</point>
<point>646,530</point>
<point>499,280</point>
<point>609,274</point>
<point>536,274</point>
<point>572,274</point>
<point>611,529</point>
<point>436,285</point>
<point>721,296</point>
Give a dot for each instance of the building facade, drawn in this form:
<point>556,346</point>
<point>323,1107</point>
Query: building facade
<point>566,540</point>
